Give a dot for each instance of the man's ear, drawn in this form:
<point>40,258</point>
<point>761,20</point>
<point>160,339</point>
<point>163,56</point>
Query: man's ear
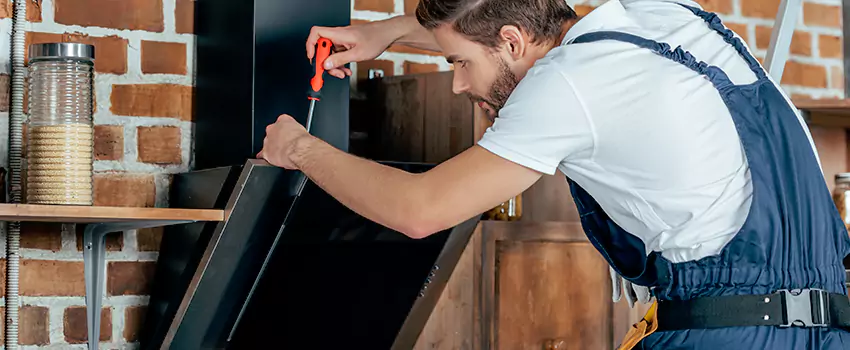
<point>513,41</point>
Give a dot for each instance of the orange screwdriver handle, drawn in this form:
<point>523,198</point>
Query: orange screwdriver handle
<point>323,50</point>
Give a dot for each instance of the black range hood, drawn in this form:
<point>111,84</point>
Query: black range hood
<point>282,271</point>
<point>292,272</point>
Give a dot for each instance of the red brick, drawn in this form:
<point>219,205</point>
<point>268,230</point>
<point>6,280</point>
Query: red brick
<point>108,142</point>
<point>363,68</point>
<point>5,92</point>
<point>582,10</point>
<point>110,51</point>
<point>184,15</point>
<point>129,277</point>
<point>149,239</point>
<point>821,15</point>
<point>163,57</point>
<point>41,235</point>
<point>410,6</point>
<point>6,9</point>
<point>802,74</point>
<point>836,77</point>
<point>76,326</point>
<point>830,46</point>
<point>419,68</point>
<point>760,8</point>
<point>801,42</point>
<point>159,145</point>
<point>52,278</point>
<point>375,5</point>
<point>124,190</point>
<point>717,6</point>
<point>125,14</point>
<point>34,10</point>
<point>34,325</point>
<point>152,100</point>
<point>134,320</point>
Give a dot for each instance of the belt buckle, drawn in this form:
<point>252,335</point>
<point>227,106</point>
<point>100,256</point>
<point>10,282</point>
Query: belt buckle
<point>806,307</point>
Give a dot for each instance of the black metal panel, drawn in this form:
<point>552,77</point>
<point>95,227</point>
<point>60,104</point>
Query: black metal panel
<point>182,246</point>
<point>252,67</point>
<point>328,273</point>
<point>337,275</point>
<point>232,259</point>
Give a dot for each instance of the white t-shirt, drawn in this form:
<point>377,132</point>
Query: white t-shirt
<point>648,138</point>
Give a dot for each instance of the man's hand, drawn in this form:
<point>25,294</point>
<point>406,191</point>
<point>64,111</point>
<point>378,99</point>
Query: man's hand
<point>361,42</point>
<point>281,139</point>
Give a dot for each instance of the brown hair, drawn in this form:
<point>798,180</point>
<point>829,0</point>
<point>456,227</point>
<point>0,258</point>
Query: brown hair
<point>481,20</point>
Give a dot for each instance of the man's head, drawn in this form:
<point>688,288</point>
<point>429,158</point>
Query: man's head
<point>493,43</point>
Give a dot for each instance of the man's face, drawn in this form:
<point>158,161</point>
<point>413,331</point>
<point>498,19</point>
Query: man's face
<point>487,76</point>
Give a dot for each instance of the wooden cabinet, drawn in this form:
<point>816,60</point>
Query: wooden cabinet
<point>536,283</point>
<point>525,285</point>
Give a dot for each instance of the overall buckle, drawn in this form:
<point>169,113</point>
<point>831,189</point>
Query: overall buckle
<point>804,307</point>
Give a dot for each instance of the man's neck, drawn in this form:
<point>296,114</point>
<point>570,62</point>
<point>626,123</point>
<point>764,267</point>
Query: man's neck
<point>538,51</point>
<point>564,29</point>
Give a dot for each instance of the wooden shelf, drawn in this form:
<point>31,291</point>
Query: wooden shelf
<point>101,214</point>
<point>826,112</point>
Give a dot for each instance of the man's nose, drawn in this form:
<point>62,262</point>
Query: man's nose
<point>459,84</point>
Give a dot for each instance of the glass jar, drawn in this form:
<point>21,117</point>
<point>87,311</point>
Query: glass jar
<point>60,134</point>
<point>510,210</point>
<point>841,196</point>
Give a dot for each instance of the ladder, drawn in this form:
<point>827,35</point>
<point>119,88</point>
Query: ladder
<point>780,38</point>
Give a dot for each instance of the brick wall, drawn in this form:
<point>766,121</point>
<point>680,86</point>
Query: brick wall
<point>143,132</point>
<point>144,75</point>
<point>815,67</point>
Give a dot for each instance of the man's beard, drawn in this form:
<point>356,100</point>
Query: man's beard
<point>500,90</point>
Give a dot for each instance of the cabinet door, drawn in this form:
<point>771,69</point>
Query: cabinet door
<point>543,286</point>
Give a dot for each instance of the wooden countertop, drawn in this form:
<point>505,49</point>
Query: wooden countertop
<point>99,214</point>
<point>825,112</point>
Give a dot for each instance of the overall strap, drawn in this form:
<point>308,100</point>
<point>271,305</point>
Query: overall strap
<point>717,76</point>
<point>714,22</point>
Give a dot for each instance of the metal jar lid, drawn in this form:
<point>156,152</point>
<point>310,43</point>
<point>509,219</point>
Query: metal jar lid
<point>77,51</point>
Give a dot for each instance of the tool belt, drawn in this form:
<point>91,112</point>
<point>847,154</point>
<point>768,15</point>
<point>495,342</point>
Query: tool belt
<point>785,308</point>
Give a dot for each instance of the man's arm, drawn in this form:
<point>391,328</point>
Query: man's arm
<point>417,205</point>
<point>415,35</point>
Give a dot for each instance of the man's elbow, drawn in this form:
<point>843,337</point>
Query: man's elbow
<point>420,228</point>
<point>420,224</point>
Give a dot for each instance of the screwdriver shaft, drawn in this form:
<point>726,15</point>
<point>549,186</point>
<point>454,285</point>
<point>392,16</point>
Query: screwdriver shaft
<point>310,114</point>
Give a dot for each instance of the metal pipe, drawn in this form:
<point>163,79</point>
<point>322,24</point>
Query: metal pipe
<point>16,120</point>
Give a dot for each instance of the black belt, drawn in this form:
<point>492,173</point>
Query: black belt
<point>785,308</point>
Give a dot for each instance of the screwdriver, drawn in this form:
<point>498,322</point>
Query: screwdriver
<point>323,50</point>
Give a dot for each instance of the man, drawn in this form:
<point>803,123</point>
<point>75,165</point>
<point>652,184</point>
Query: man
<point>692,172</point>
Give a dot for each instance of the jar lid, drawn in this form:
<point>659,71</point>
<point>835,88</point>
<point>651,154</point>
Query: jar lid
<point>842,177</point>
<point>61,50</point>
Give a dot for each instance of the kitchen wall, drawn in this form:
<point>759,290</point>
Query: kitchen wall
<point>144,78</point>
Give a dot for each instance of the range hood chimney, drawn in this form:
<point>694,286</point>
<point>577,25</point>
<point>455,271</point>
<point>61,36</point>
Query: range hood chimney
<point>252,67</point>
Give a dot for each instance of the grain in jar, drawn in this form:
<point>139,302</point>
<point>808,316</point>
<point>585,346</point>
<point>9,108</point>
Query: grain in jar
<point>60,134</point>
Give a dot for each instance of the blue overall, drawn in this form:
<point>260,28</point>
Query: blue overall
<point>793,236</point>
